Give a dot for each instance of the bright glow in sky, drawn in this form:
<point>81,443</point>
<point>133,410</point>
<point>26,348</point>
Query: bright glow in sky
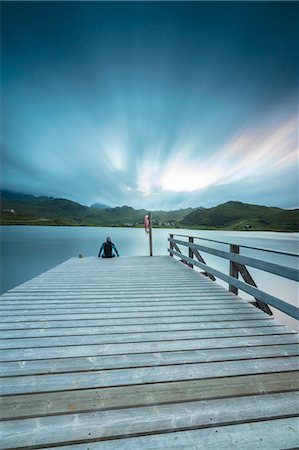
<point>154,105</point>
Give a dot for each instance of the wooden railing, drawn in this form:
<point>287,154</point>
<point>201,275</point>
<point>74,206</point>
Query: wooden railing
<point>237,265</point>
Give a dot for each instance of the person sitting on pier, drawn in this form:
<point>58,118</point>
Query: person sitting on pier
<point>107,249</point>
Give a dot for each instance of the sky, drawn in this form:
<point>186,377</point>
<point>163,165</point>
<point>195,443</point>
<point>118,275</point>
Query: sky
<point>157,105</point>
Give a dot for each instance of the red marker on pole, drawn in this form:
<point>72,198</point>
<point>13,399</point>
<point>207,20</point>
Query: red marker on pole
<point>146,223</point>
<point>148,229</point>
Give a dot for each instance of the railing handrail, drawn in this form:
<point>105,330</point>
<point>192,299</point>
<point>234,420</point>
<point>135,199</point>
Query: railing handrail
<point>283,306</point>
<point>237,266</point>
<point>278,252</point>
<point>276,269</point>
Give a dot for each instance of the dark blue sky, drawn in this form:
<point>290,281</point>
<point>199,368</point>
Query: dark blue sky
<point>152,104</point>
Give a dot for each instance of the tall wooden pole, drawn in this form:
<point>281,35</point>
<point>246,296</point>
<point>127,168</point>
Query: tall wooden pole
<point>150,234</point>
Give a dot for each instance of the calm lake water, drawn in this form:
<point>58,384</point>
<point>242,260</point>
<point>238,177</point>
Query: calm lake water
<point>28,251</point>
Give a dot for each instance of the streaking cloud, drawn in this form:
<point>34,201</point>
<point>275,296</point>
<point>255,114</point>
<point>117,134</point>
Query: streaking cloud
<point>254,153</point>
<point>155,105</point>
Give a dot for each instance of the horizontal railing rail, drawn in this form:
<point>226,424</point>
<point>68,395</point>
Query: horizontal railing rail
<point>238,265</point>
<point>285,272</point>
<point>267,250</point>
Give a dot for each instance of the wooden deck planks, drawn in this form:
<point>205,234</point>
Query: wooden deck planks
<point>144,375</point>
<point>123,329</point>
<point>87,363</point>
<point>266,435</point>
<point>103,352</point>
<point>44,404</point>
<point>151,419</point>
<point>115,338</point>
<point>145,347</point>
<point>79,323</point>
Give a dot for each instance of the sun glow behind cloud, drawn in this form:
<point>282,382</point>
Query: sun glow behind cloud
<point>184,177</point>
<point>256,152</point>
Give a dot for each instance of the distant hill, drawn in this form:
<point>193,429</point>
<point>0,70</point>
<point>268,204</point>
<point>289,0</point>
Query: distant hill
<point>30,209</point>
<point>99,206</point>
<point>171,216</point>
<point>25,209</point>
<point>240,216</point>
<point>15,197</point>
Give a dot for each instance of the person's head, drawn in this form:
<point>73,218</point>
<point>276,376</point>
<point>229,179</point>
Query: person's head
<point>108,239</point>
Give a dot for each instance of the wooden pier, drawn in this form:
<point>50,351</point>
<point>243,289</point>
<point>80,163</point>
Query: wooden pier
<point>143,353</point>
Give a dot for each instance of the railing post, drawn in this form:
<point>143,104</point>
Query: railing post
<point>150,234</point>
<point>233,270</point>
<point>171,244</point>
<point>191,241</point>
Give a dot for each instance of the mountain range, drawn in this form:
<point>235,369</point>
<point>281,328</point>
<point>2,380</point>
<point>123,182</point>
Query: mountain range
<point>29,209</point>
<point>24,209</point>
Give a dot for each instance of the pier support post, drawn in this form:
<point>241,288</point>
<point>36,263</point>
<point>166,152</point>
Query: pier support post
<point>233,269</point>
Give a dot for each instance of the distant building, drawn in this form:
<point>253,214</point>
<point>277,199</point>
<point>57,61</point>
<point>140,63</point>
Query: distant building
<point>11,211</point>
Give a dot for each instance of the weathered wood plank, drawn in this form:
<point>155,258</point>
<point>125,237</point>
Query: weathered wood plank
<point>67,284</point>
<point>145,347</point>
<point>90,281</point>
<point>124,315</point>
<point>119,307</point>
<point>134,421</point>
<point>42,305</point>
<point>146,292</point>
<point>130,284</point>
<point>27,405</point>
<point>251,315</point>
<point>116,300</point>
<point>120,329</point>
<point>275,434</point>
<point>64,365</point>
<point>63,341</point>
<point>127,309</point>
<point>144,375</point>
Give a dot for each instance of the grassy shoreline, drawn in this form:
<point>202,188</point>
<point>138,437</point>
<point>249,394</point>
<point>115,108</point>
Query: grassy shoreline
<point>176,227</point>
